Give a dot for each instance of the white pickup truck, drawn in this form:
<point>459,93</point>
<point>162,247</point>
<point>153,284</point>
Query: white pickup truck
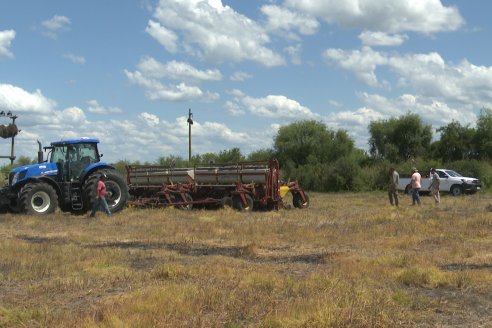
<point>451,182</point>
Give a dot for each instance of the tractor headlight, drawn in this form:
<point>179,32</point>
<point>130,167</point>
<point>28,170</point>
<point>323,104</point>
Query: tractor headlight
<point>18,176</point>
<point>14,179</point>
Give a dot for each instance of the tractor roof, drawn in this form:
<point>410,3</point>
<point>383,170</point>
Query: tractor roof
<point>74,141</point>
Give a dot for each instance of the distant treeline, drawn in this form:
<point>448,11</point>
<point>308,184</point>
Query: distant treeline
<point>326,160</point>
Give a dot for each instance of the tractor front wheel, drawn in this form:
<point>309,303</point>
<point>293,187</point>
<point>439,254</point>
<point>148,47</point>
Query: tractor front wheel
<point>38,198</point>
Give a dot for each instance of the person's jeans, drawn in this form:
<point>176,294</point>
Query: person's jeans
<point>415,196</point>
<point>98,204</point>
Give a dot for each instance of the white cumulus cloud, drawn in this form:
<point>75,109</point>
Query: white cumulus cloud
<point>155,90</point>
<point>212,31</point>
<point>271,106</point>
<point>94,107</point>
<point>51,27</point>
<point>284,20</point>
<point>422,16</point>
<point>428,74</point>
<point>158,80</point>
<point>362,62</point>
<point>369,38</point>
<point>6,38</point>
<point>240,76</point>
<point>79,60</point>
<point>167,38</point>
<point>176,70</point>
<point>148,136</point>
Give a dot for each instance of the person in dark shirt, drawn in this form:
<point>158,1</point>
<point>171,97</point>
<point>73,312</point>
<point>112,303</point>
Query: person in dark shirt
<point>394,180</point>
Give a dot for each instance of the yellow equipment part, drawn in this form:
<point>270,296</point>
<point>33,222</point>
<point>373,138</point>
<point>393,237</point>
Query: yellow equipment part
<point>283,191</point>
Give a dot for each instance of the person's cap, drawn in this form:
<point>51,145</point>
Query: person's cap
<point>103,176</point>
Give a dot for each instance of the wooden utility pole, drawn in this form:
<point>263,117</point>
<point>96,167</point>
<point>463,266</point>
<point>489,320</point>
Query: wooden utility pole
<point>13,117</point>
<point>190,123</point>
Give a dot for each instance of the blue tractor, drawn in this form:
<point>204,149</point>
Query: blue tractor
<point>67,179</point>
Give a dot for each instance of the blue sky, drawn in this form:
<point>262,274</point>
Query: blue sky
<point>127,72</point>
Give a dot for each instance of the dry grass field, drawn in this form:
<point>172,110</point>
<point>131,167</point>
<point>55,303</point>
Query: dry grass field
<point>350,260</point>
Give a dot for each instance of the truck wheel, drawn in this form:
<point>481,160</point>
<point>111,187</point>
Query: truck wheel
<point>456,190</point>
<point>237,203</point>
<point>38,199</point>
<point>116,187</point>
<point>297,201</point>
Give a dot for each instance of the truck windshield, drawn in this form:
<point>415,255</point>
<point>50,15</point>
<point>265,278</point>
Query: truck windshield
<point>453,174</point>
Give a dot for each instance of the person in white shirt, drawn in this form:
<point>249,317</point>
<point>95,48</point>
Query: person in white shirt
<point>434,186</point>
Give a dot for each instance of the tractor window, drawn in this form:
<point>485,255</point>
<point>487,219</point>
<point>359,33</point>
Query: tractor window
<point>81,156</point>
<point>82,153</point>
<point>59,154</point>
<point>88,153</point>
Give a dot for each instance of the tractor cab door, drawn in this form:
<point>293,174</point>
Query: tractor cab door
<point>72,159</point>
<point>59,155</point>
<point>81,156</point>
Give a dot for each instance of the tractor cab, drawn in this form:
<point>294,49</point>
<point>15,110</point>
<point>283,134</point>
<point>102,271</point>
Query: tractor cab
<point>74,157</point>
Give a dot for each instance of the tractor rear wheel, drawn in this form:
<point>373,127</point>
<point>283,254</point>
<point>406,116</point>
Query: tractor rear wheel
<point>116,187</point>
<point>38,199</point>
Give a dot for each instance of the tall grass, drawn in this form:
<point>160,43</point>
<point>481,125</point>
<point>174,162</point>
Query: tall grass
<point>350,260</point>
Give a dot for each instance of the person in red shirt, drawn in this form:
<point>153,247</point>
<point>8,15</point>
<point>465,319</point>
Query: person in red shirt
<point>100,201</point>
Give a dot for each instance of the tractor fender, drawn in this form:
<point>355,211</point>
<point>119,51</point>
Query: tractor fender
<point>95,167</point>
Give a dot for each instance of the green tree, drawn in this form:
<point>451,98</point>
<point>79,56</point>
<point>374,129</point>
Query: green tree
<point>224,156</point>
<point>174,161</point>
<point>483,135</point>
<point>311,141</point>
<point>399,139</point>
<point>24,160</point>
<point>120,166</point>
<point>321,159</point>
<point>261,155</point>
<point>456,142</point>
<point>230,156</point>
